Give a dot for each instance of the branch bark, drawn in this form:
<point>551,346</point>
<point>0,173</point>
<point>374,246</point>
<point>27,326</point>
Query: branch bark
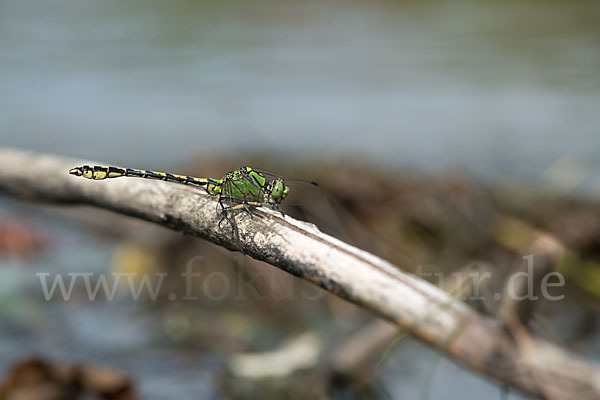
<point>432,315</point>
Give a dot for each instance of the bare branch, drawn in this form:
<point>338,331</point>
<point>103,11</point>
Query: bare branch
<point>475,341</point>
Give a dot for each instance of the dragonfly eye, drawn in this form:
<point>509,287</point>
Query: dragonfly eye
<point>279,190</point>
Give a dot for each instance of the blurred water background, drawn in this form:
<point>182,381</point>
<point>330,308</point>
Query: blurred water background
<point>504,91</point>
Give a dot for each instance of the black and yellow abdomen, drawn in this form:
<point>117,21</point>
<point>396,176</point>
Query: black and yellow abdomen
<point>98,172</point>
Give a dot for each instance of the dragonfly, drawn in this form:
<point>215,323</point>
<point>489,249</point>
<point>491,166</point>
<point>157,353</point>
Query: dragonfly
<point>239,189</point>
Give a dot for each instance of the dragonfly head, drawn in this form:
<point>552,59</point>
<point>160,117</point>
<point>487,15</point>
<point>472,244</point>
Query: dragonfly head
<point>279,190</point>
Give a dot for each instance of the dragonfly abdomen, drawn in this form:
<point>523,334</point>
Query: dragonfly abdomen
<point>98,172</point>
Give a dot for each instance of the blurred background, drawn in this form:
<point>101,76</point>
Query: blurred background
<point>439,131</point>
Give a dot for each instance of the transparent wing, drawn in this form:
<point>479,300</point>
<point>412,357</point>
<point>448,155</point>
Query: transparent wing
<point>288,180</point>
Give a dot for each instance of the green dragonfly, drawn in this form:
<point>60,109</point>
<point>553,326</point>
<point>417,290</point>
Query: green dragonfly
<point>238,189</point>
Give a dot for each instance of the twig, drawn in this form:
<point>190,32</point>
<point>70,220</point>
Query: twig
<point>477,342</point>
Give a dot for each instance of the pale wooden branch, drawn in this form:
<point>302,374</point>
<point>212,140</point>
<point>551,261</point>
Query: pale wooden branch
<point>473,340</point>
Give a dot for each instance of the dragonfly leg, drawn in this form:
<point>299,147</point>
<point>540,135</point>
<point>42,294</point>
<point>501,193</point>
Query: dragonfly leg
<point>226,215</point>
<point>245,206</point>
<point>276,208</point>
